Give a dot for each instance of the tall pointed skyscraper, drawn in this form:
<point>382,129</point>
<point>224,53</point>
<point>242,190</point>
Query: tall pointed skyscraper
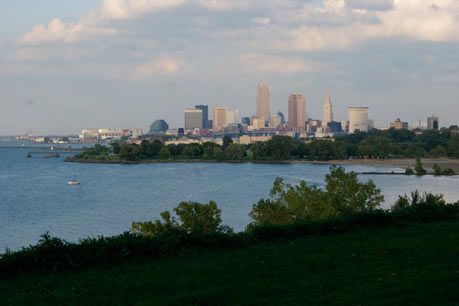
<point>328,111</point>
<point>263,101</point>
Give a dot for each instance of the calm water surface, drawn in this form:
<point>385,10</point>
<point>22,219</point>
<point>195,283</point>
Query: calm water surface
<point>35,197</point>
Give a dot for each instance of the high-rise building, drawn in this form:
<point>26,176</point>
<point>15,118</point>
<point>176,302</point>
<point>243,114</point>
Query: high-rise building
<point>296,111</point>
<point>232,117</point>
<point>433,123</point>
<point>345,126</point>
<point>398,125</point>
<point>205,114</point>
<point>258,123</point>
<point>335,127</point>
<point>275,121</point>
<point>159,126</point>
<point>328,111</point>
<point>245,120</point>
<point>263,101</point>
<point>193,119</point>
<point>371,124</point>
<point>358,119</point>
<point>219,118</point>
<point>282,117</point>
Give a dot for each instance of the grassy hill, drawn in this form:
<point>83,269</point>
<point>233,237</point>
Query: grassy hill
<point>413,264</point>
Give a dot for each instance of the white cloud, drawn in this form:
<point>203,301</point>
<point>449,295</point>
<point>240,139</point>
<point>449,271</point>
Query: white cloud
<point>262,21</point>
<point>379,5</point>
<point>337,25</point>
<point>261,64</point>
<point>220,5</point>
<point>97,21</point>
<point>334,24</point>
<point>163,65</point>
<point>50,53</point>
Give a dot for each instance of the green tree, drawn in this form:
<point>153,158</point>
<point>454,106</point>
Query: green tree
<point>418,168</point>
<point>437,169</point>
<point>416,199</point>
<point>192,150</point>
<point>227,140</point>
<point>199,218</point>
<point>234,151</point>
<point>299,149</point>
<point>343,194</point>
<point>346,194</point>
<point>453,146</point>
<point>164,152</point>
<point>218,153</point>
<point>365,150</point>
<point>270,212</point>
<point>194,218</point>
<point>128,152</point>
<point>47,139</point>
<point>280,147</point>
<point>116,147</point>
<point>438,151</point>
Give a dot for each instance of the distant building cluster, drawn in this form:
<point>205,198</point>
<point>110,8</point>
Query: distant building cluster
<point>202,125</point>
<point>109,134</point>
<point>229,122</point>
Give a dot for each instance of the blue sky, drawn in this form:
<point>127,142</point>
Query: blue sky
<point>69,65</point>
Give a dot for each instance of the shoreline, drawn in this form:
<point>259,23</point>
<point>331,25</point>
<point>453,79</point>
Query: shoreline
<point>401,163</point>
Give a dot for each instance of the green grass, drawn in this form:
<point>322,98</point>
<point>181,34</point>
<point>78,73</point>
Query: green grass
<point>416,264</point>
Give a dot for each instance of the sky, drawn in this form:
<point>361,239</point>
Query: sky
<point>68,65</point>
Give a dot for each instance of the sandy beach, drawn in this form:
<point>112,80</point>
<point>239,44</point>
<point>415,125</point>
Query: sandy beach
<point>402,163</point>
<point>398,163</point>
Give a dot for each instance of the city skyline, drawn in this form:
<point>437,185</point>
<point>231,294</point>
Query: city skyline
<point>125,63</point>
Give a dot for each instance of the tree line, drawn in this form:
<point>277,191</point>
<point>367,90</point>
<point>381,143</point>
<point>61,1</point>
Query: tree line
<point>373,144</point>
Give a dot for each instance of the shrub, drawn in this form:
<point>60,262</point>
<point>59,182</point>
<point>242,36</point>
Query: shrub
<point>416,199</point>
<point>419,168</point>
<point>409,171</point>
<point>52,255</point>
<point>439,171</point>
<point>195,218</point>
<point>343,194</point>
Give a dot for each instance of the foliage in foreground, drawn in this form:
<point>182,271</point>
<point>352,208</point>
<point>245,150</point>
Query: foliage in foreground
<point>410,265</point>
<point>194,218</point>
<point>343,194</point>
<point>54,254</point>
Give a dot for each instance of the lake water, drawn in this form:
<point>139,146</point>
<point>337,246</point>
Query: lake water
<point>35,197</point>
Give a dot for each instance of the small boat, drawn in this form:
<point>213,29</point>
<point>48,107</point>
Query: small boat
<point>73,182</point>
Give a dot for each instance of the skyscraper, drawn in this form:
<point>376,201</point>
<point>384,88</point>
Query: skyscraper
<point>296,111</point>
<point>433,123</point>
<point>328,111</point>
<point>358,119</point>
<point>219,118</point>
<point>263,101</point>
<point>205,114</point>
<point>193,119</point>
<point>282,117</point>
<point>232,117</point>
